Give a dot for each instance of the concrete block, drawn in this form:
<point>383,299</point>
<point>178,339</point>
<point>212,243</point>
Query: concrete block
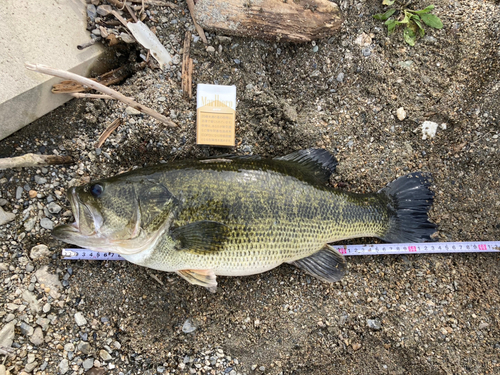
<point>39,32</point>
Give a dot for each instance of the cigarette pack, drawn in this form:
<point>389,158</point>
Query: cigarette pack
<point>215,110</point>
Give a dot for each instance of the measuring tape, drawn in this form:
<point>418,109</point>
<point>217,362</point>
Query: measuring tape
<point>370,249</point>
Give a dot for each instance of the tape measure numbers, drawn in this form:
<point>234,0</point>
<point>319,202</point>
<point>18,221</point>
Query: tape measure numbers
<point>347,250</point>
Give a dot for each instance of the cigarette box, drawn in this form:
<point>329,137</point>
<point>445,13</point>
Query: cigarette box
<point>215,115</point>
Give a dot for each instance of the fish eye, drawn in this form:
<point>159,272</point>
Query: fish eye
<point>96,190</point>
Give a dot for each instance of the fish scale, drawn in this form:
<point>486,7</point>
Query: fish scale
<point>289,217</point>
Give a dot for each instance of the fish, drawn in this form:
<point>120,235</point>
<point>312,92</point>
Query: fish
<point>242,215</point>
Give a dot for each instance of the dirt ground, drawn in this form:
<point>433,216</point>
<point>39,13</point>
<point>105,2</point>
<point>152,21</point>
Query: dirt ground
<point>438,314</point>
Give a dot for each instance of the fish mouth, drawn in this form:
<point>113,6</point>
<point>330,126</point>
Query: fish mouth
<point>67,232</point>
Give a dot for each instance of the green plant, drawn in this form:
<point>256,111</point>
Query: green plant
<point>413,20</point>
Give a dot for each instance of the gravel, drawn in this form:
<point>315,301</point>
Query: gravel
<point>80,319</point>
<point>422,314</point>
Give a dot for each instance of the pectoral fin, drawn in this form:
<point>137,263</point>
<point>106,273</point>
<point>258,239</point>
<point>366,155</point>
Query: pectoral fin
<point>327,264</point>
<point>201,237</point>
<point>204,278</point>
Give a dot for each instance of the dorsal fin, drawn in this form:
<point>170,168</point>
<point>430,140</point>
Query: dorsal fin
<point>315,162</point>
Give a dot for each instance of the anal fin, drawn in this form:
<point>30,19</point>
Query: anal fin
<point>204,278</point>
<point>327,264</point>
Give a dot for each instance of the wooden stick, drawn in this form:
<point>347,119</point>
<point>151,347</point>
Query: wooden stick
<point>97,86</point>
<point>186,63</point>
<point>89,96</point>
<point>106,133</point>
<point>156,2</point>
<point>34,160</point>
<point>119,18</point>
<point>120,5</point>
<point>200,31</point>
<point>132,13</point>
<point>117,4</point>
<point>190,78</point>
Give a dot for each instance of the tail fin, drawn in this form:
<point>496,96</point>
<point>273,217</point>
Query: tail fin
<point>409,201</point>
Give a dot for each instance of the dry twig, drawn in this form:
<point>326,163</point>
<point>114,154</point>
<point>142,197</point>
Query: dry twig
<point>110,78</point>
<point>199,29</point>
<point>97,86</point>
<point>88,44</point>
<point>120,5</point>
<point>131,12</point>
<point>156,2</point>
<point>106,133</point>
<point>89,96</point>
<point>187,67</point>
<point>33,160</point>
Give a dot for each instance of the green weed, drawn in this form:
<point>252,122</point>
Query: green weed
<point>413,21</point>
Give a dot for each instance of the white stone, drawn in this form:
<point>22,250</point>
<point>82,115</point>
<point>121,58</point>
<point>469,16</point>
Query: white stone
<point>6,217</point>
<point>105,356</point>
<point>37,337</point>
<point>32,301</point>
<point>50,280</point>
<point>80,319</point>
<point>39,251</point>
<point>132,111</point>
<point>7,334</point>
<point>401,113</point>
<point>429,129</point>
<point>363,40</point>
<point>63,366</point>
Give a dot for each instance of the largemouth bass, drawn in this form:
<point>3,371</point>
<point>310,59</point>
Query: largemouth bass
<point>236,216</point>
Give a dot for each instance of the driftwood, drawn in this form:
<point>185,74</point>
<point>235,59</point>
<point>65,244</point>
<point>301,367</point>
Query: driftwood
<point>97,86</point>
<point>110,78</point>
<point>279,20</point>
<point>33,160</point>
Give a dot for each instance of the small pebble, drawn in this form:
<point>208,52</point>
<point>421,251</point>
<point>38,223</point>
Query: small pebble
<point>132,111</point>
<point>188,326</point>
<point>80,319</point>
<point>26,329</point>
<point>46,308</point>
<point>54,208</point>
<point>39,251</point>
<point>104,10</point>
<point>401,113</point>
<point>46,223</point>
<point>366,51</point>
<point>63,366</point>
<point>105,356</point>
<point>32,194</point>
<point>88,363</point>
<point>374,324</point>
<point>40,180</point>
<point>19,192</point>
<point>356,346</point>
<point>37,337</point>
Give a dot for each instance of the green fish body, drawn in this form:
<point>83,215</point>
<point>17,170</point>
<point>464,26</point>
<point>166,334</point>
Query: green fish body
<point>239,216</point>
